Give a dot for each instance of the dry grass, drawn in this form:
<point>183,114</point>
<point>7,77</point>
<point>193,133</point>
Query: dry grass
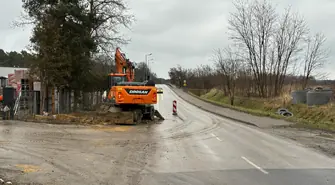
<point>318,117</point>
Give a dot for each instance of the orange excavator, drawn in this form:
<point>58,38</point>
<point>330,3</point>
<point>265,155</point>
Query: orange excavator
<point>127,100</point>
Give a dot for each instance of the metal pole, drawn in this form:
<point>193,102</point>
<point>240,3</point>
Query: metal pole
<point>146,71</point>
<point>149,70</point>
<point>146,63</point>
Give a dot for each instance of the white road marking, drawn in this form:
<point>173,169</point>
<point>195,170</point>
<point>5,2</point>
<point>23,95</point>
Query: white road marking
<point>254,165</point>
<point>216,137</point>
<point>210,151</point>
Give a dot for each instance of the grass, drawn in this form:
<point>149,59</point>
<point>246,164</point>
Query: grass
<point>318,117</point>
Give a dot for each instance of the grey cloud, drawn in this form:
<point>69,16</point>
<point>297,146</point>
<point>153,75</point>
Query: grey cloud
<point>10,9</point>
<point>183,32</point>
<point>12,38</point>
<point>162,16</point>
<point>190,29</point>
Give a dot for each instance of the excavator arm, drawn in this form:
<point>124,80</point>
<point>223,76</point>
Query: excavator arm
<point>124,65</point>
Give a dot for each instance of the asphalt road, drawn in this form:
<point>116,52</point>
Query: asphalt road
<point>192,148</point>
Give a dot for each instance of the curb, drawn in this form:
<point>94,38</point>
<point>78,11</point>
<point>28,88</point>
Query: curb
<point>224,116</point>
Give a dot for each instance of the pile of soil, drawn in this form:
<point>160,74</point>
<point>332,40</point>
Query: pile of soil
<point>82,118</point>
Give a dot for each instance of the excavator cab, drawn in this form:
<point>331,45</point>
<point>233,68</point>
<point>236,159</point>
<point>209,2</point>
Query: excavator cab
<point>115,78</point>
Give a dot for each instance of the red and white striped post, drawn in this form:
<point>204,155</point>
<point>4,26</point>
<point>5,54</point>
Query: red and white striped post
<point>174,110</point>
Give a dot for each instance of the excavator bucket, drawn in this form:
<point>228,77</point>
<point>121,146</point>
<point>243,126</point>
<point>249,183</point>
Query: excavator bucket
<point>159,116</point>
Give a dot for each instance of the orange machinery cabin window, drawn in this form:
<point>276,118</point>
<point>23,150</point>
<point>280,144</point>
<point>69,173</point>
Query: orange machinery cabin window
<point>114,80</point>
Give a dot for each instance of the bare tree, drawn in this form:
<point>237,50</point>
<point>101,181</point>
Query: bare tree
<point>228,64</point>
<point>107,17</point>
<point>252,26</point>
<point>288,36</point>
<point>271,41</point>
<point>315,56</point>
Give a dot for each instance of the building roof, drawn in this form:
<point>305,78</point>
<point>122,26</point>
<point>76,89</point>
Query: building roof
<point>4,71</point>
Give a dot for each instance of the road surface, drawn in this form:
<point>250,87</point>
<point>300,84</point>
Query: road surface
<point>193,148</point>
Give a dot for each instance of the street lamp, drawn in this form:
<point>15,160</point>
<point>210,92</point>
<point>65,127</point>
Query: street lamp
<point>150,61</point>
<point>146,62</point>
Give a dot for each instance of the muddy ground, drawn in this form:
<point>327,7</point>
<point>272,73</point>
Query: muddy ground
<point>317,140</point>
<point>69,154</point>
<point>192,148</point>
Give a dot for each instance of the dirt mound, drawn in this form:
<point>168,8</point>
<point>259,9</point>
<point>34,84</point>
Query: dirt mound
<point>83,118</point>
<point>103,115</point>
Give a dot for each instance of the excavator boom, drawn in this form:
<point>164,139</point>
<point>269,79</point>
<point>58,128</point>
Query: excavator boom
<point>124,65</point>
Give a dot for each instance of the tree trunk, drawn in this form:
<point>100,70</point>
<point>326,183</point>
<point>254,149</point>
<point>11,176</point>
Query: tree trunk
<point>232,100</point>
<point>69,100</point>
<point>75,100</point>
<point>43,96</point>
<point>92,99</point>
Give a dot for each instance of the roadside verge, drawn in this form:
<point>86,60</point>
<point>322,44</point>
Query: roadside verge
<point>262,122</point>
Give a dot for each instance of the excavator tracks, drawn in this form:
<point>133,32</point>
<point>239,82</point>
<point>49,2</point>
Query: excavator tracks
<point>117,115</point>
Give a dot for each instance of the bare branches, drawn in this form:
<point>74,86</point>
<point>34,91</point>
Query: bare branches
<point>266,53</point>
<point>22,21</point>
<point>252,26</point>
<point>107,17</point>
<point>288,37</point>
<point>229,65</point>
<point>315,56</point>
<point>271,41</point>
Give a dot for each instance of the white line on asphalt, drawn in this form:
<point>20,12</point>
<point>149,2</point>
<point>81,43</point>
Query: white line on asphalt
<point>208,149</point>
<point>254,165</point>
<point>216,137</point>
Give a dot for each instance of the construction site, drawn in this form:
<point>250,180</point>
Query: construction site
<point>218,93</point>
<point>123,102</point>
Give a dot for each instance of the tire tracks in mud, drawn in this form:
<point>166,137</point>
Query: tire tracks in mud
<point>77,172</point>
<point>45,151</point>
<point>134,151</point>
<point>176,134</point>
<point>34,154</point>
<point>136,154</point>
<point>206,127</point>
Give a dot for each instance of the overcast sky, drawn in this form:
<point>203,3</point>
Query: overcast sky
<point>181,32</point>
